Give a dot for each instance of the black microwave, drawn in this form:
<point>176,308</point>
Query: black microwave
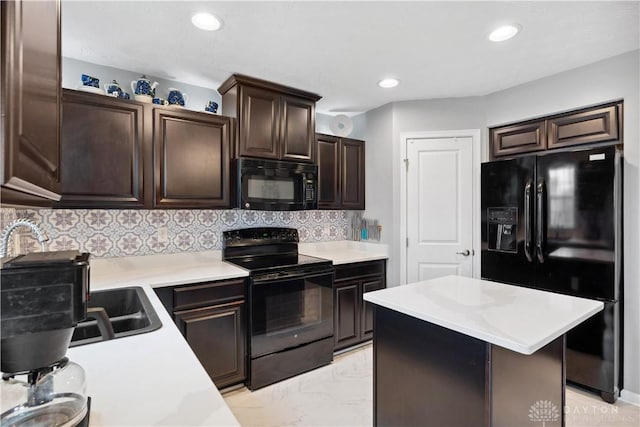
<point>269,185</point>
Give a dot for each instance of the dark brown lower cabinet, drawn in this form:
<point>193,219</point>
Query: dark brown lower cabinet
<point>216,336</point>
<point>212,317</point>
<point>428,375</point>
<point>353,317</point>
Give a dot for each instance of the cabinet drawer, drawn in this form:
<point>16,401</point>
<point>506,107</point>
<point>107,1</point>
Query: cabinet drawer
<point>359,269</point>
<point>210,293</point>
<point>584,127</point>
<point>519,138</point>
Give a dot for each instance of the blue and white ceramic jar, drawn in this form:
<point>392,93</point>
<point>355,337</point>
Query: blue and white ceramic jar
<point>211,107</point>
<point>176,97</point>
<point>114,89</point>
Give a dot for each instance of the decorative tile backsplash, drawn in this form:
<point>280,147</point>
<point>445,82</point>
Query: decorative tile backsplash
<point>114,233</point>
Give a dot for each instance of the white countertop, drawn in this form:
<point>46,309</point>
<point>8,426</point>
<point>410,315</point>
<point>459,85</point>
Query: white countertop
<point>345,251</point>
<point>162,270</point>
<point>519,319</point>
<point>154,378</point>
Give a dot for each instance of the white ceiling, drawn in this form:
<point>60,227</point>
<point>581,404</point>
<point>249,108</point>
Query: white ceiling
<point>341,49</point>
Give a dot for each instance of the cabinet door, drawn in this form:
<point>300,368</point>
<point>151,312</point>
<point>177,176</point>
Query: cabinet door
<point>102,152</point>
<point>328,159</point>
<point>30,90</point>
<point>346,315</point>
<point>298,126</point>
<point>191,152</point>
<point>217,337</point>
<point>518,139</point>
<point>584,127</point>
<point>367,309</point>
<point>352,164</point>
<point>259,123</point>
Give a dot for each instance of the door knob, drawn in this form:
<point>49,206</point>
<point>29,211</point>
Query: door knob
<point>466,252</point>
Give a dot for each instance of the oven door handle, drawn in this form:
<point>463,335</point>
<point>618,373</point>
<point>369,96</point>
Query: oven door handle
<point>284,275</point>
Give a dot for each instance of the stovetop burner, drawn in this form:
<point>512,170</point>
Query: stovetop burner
<point>265,249</point>
<point>277,262</point>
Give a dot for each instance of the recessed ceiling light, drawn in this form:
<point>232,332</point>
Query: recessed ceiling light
<point>206,21</point>
<point>503,33</point>
<point>387,83</point>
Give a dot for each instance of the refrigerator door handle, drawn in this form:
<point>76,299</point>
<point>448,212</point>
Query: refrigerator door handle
<point>540,231</point>
<point>527,221</point>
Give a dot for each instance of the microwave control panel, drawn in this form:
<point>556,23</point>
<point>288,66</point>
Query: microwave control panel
<point>310,189</point>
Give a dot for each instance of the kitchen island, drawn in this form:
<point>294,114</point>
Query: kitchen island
<point>457,351</point>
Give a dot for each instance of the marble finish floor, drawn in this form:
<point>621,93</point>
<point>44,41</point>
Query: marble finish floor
<point>341,394</point>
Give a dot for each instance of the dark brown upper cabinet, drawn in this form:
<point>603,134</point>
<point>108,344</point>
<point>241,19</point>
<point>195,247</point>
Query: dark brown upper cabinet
<point>192,160</point>
<point>585,127</point>
<point>340,172</point>
<point>274,121</point>
<point>599,125</point>
<point>519,138</point>
<point>352,173</point>
<point>30,91</point>
<point>102,151</point>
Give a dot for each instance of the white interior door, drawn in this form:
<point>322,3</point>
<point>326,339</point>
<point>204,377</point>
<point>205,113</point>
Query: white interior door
<point>439,207</point>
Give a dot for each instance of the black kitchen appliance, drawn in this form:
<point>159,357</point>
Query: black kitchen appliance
<point>554,222</point>
<point>290,303</point>
<point>43,296</point>
<point>276,186</point>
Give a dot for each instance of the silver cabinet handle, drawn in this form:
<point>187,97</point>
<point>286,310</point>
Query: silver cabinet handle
<point>466,252</point>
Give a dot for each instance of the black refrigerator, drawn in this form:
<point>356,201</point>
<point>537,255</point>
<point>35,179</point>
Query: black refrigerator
<point>554,222</point>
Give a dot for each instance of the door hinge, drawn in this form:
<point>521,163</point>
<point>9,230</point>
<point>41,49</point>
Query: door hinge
<point>406,163</point>
<point>407,242</point>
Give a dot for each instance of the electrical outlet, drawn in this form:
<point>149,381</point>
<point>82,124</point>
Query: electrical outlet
<point>327,230</point>
<point>163,235</point>
<point>17,244</point>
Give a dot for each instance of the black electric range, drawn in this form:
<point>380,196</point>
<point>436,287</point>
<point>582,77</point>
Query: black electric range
<point>290,298</point>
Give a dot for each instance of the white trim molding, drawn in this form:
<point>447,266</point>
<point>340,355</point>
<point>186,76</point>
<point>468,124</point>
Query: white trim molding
<point>477,149</point>
<point>630,397</point>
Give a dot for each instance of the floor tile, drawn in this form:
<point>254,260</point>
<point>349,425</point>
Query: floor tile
<point>340,395</point>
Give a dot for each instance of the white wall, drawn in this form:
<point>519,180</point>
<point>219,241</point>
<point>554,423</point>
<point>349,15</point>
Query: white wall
<point>323,125</point>
<point>384,159</point>
<point>72,70</point>
<point>611,79</point>
<point>380,187</point>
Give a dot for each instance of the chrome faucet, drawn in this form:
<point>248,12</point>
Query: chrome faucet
<point>6,234</point>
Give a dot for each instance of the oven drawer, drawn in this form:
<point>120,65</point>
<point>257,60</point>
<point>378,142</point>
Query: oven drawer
<point>206,294</point>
